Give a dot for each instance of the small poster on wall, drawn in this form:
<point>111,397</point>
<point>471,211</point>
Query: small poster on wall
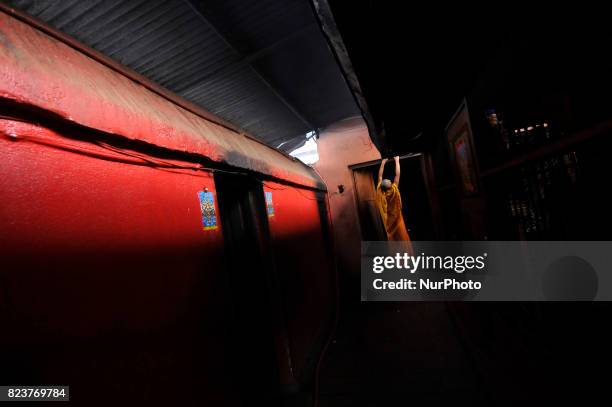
<point>269,204</point>
<point>207,205</point>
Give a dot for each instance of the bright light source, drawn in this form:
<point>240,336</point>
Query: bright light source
<point>308,153</point>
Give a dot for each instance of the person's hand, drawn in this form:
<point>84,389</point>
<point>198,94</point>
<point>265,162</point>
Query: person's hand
<point>384,160</point>
<point>396,158</point>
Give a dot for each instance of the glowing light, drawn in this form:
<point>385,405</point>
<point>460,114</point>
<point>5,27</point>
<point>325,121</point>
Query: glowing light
<point>308,153</point>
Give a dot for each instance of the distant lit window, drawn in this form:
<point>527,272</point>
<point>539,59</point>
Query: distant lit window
<point>308,153</point>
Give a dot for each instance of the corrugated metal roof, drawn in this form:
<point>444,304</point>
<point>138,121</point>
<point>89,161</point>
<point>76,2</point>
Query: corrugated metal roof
<point>262,65</point>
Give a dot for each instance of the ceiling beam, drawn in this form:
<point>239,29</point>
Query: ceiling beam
<point>248,59</point>
<point>281,98</point>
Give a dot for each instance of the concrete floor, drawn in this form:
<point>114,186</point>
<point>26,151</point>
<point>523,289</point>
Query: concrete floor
<point>387,354</point>
<point>398,354</point>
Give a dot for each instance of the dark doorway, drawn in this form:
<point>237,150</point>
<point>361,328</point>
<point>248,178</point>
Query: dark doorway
<point>365,193</point>
<point>415,198</point>
<point>249,266</point>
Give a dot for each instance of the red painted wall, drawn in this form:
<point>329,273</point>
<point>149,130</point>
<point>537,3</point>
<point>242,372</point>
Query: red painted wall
<point>108,278</point>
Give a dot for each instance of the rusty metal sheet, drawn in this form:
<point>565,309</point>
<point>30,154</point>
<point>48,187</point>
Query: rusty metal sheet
<point>39,70</point>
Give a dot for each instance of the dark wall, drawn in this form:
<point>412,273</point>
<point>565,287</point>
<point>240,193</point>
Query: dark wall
<point>301,240</point>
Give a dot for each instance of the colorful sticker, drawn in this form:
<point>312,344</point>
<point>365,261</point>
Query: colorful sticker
<point>269,204</point>
<point>207,204</point>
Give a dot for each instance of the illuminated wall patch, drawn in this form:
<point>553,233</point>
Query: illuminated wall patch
<point>269,204</point>
<point>207,204</point>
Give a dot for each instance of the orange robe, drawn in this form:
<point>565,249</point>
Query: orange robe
<point>389,205</point>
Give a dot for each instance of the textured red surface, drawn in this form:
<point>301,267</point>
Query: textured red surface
<point>38,70</point>
<point>107,274</point>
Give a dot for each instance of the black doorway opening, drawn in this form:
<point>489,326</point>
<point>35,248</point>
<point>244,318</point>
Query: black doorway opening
<point>249,265</point>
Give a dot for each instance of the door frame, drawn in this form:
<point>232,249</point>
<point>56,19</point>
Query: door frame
<point>428,180</point>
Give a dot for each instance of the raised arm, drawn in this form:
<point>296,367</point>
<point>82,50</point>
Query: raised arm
<point>381,170</point>
<point>397,170</point>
